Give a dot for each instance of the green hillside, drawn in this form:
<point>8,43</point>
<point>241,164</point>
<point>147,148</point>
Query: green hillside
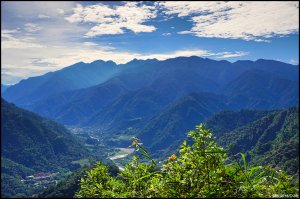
<point>31,144</point>
<point>268,138</point>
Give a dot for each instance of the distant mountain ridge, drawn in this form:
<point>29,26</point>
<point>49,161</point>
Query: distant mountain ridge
<point>79,75</point>
<point>4,87</point>
<point>169,80</point>
<point>261,90</point>
<point>143,90</point>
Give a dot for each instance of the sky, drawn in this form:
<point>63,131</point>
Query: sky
<point>42,36</point>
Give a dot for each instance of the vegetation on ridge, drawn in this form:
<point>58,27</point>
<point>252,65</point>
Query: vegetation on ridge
<point>200,170</point>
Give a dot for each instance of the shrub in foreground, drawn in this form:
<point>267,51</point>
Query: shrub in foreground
<point>200,170</point>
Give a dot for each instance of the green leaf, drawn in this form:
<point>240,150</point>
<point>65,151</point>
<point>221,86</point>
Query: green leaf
<point>244,160</point>
<point>146,155</point>
<point>143,149</point>
<point>231,146</point>
<point>173,191</point>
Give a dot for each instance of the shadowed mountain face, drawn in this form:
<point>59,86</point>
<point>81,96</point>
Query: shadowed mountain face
<point>4,87</point>
<point>36,142</point>
<point>133,94</point>
<point>171,124</point>
<point>30,145</point>
<point>261,90</point>
<point>267,137</point>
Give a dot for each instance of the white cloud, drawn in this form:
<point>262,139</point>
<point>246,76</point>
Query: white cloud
<point>89,44</point>
<point>9,76</point>
<point>262,40</point>
<point>32,9</point>
<point>7,34</point>
<point>31,27</point>
<point>294,62</point>
<point>20,44</point>
<point>230,54</point>
<point>41,16</point>
<point>236,19</point>
<point>59,43</point>
<point>60,11</point>
<point>39,58</point>
<point>166,34</point>
<point>9,41</point>
<point>113,20</point>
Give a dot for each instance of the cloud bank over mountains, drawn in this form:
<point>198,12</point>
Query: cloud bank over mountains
<point>38,37</point>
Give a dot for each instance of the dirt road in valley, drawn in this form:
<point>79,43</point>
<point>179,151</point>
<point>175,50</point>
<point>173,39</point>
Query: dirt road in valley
<point>127,152</point>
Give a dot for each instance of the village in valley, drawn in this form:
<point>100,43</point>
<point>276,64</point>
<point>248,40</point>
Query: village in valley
<point>41,179</point>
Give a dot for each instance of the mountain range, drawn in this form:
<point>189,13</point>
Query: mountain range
<point>252,104</point>
<point>153,98</point>
<point>132,94</point>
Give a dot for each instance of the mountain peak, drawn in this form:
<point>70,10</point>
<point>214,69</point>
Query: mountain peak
<point>99,61</point>
<point>135,60</point>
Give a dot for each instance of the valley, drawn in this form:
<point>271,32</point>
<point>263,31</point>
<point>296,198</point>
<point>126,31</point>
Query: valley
<point>157,102</point>
<point>149,99</point>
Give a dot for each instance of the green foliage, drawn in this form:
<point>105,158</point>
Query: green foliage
<point>67,187</point>
<point>198,171</point>
<point>36,142</point>
<point>265,137</point>
<point>32,144</point>
<point>12,168</point>
<point>163,133</point>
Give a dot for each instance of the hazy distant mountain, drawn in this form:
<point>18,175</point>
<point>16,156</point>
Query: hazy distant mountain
<point>142,88</point>
<point>4,87</point>
<point>80,75</point>
<point>277,68</point>
<point>261,90</point>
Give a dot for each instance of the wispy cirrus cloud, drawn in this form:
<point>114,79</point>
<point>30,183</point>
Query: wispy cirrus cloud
<point>167,34</point>
<point>40,58</point>
<point>230,54</point>
<point>31,27</point>
<point>41,16</point>
<point>248,20</point>
<point>114,20</point>
<point>10,41</point>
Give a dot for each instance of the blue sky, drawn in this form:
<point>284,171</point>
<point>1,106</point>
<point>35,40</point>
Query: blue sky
<point>38,37</point>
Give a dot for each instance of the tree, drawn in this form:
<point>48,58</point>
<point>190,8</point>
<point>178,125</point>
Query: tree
<point>200,170</point>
